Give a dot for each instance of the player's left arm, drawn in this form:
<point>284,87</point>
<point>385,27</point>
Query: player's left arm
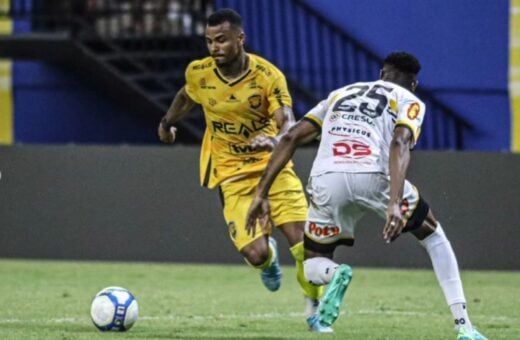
<point>300,133</point>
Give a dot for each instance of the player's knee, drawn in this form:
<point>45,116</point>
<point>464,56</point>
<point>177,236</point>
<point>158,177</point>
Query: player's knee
<point>435,238</point>
<point>311,271</point>
<point>428,227</point>
<point>255,256</point>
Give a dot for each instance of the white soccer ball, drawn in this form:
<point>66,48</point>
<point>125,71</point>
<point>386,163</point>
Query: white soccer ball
<point>114,309</point>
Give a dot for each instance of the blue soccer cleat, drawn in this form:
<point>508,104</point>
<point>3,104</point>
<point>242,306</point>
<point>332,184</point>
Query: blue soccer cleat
<point>272,275</point>
<point>465,334</point>
<point>315,326</point>
<point>331,300</point>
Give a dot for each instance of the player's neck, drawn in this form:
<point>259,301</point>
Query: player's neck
<point>236,68</point>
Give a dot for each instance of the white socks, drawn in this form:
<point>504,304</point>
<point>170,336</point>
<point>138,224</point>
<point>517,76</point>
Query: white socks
<point>459,312</point>
<point>319,270</point>
<point>447,271</point>
<point>311,306</point>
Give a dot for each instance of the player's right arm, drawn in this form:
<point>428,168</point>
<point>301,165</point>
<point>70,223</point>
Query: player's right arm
<point>180,106</point>
<point>301,133</point>
<point>406,132</point>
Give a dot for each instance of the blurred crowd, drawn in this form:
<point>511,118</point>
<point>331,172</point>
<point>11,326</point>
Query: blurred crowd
<point>147,17</point>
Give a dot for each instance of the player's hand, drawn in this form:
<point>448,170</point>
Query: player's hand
<point>263,143</point>
<point>259,210</point>
<point>394,223</point>
<point>167,137</point>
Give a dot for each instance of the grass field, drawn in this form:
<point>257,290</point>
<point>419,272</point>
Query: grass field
<point>51,300</point>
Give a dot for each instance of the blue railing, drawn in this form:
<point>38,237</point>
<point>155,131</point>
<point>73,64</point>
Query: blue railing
<point>317,57</point>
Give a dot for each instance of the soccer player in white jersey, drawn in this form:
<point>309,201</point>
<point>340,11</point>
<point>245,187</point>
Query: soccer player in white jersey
<point>367,131</point>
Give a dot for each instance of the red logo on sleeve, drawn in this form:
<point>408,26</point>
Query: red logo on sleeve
<point>413,111</point>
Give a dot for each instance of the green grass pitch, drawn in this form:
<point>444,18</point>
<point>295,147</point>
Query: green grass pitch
<point>51,300</point>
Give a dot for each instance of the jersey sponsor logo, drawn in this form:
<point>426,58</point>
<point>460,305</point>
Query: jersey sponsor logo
<point>241,149</point>
<point>413,111</point>
<point>346,131</point>
<point>240,129</point>
<point>322,230</point>
<point>204,85</point>
<point>279,96</point>
<point>255,101</point>
<point>263,69</point>
<point>334,116</point>
<point>358,118</point>
<point>203,66</point>
<point>251,160</point>
<point>350,149</point>
<point>254,85</point>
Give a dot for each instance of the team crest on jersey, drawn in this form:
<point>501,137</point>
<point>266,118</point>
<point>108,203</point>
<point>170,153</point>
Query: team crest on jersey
<point>413,111</point>
<point>255,101</point>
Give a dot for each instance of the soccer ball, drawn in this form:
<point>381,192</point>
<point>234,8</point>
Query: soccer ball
<point>114,309</point>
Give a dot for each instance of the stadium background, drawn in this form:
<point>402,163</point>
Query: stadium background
<point>81,162</point>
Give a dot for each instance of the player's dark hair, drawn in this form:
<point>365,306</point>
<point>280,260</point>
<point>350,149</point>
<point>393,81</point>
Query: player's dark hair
<point>225,15</point>
<point>404,62</point>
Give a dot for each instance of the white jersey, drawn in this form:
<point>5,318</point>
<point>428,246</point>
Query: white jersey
<point>357,124</point>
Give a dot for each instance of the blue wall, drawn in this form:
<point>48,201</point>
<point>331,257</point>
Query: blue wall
<point>463,46</point>
<point>54,105</point>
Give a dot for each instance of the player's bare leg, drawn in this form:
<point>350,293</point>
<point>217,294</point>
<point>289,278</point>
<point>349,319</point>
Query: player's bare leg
<point>262,253</point>
<point>431,236</point>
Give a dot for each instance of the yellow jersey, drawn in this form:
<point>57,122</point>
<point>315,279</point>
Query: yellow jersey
<point>235,111</point>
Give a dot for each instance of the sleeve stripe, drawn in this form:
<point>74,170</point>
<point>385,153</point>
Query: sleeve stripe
<point>413,129</point>
<point>314,121</point>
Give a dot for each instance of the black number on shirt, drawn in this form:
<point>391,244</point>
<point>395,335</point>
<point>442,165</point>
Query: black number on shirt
<point>373,107</point>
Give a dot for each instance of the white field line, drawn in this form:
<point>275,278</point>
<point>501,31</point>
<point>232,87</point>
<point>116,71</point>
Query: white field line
<point>264,316</point>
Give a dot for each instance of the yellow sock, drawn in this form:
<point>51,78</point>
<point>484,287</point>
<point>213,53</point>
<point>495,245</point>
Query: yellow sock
<point>309,290</point>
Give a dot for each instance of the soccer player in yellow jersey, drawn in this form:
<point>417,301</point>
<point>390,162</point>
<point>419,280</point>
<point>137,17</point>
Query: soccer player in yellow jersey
<point>247,107</point>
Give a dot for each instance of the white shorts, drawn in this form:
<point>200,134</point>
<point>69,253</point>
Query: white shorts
<point>339,200</point>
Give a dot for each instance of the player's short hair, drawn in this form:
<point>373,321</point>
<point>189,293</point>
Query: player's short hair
<point>225,15</point>
<point>404,62</point>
